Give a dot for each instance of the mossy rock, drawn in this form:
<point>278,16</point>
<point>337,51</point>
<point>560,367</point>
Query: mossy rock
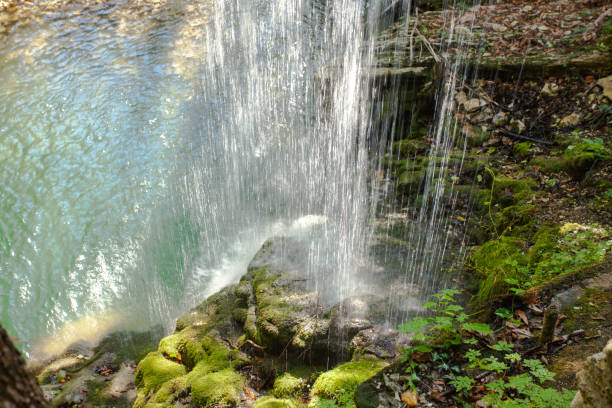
<point>411,180</point>
<point>547,164</point>
<point>183,348</point>
<point>288,386</point>
<point>408,148</point>
<point>154,370</point>
<point>522,150</point>
<point>582,156</point>
<point>508,191</point>
<point>340,383</point>
<point>496,261</point>
<point>271,402</point>
<point>222,388</point>
<point>169,392</point>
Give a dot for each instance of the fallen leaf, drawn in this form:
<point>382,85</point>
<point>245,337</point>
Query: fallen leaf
<point>410,398</point>
<point>522,316</point>
<point>460,218</point>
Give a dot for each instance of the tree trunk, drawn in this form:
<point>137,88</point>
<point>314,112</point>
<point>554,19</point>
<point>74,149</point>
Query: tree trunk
<point>18,387</point>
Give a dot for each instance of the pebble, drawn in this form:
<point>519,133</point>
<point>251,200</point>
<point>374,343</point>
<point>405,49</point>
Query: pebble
<point>472,105</point>
<point>500,119</point>
<point>549,89</point>
<point>571,120</point>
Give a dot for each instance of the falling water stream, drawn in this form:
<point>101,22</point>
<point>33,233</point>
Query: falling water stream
<point>149,148</point>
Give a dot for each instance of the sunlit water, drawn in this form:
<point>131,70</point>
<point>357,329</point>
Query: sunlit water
<point>147,149</point>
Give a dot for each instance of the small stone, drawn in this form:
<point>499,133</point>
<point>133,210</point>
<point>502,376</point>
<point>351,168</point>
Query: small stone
<point>410,398</point>
<point>500,119</point>
<point>460,98</point>
<point>549,89</point>
<point>496,27</point>
<point>527,9</point>
<point>606,84</point>
<point>518,126</point>
<point>571,120</point>
<point>472,105</point>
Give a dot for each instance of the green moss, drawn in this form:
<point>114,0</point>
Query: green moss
<point>170,392</point>
<point>221,388</point>
<point>495,262</point>
<point>408,148</point>
<point>545,242</point>
<point>410,180</point>
<point>340,383</point>
<point>181,347</point>
<point>507,191</point>
<point>154,370</point>
<point>522,150</point>
<point>287,385</point>
<point>547,164</point>
<point>271,402</point>
<point>582,156</point>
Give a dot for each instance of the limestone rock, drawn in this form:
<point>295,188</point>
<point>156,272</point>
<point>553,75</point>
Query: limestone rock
<point>500,119</point>
<point>595,381</point>
<point>474,104</point>
<point>549,89</point>
<point>518,126</point>
<point>571,120</point>
<point>606,85</point>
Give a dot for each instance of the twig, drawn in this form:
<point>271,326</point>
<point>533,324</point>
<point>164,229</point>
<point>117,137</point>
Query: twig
<point>486,97</point>
<point>429,47</point>
<point>531,139</point>
<point>252,343</point>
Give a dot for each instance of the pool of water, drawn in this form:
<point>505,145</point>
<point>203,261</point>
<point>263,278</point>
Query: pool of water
<point>148,148</point>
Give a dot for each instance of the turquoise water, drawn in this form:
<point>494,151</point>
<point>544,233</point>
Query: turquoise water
<point>95,123</point>
<point>147,149</point>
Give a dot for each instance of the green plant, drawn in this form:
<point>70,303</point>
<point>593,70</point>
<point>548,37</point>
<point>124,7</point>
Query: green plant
<point>448,327</point>
<point>445,328</point>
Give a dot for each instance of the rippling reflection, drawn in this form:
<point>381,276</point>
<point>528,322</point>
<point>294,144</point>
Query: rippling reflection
<point>93,128</point>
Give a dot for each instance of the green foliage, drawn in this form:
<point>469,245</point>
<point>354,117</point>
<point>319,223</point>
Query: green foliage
<point>448,328</point>
<point>507,266</point>
<point>445,328</point>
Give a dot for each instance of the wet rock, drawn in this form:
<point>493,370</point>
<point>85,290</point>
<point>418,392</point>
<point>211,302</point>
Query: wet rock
<point>474,104</point>
<point>376,342</point>
<point>594,381</point>
<point>571,120</point>
<point>606,85</point>
<point>97,375</point>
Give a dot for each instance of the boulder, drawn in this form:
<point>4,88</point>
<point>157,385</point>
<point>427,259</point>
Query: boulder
<point>595,380</point>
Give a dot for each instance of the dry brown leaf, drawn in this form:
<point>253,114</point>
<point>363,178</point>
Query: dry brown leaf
<point>410,398</point>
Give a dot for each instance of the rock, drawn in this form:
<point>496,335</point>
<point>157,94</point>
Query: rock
<point>606,85</point>
<point>518,126</point>
<point>500,119</point>
<point>569,297</point>
<point>461,98</point>
<point>594,381</point>
<point>496,27</point>
<point>334,384</point>
<point>549,89</point>
<point>474,104</point>
<point>376,341</point>
<point>571,120</point>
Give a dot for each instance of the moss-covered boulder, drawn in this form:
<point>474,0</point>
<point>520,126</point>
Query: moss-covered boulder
<point>340,383</point>
<point>271,402</point>
<point>221,388</point>
<point>152,372</point>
